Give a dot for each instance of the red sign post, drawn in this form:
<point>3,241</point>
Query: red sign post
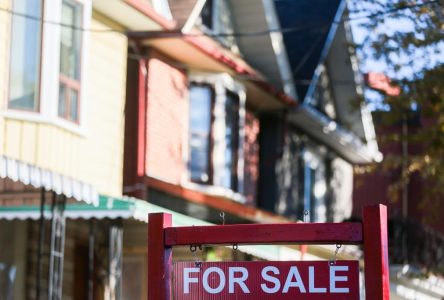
<point>294,276</point>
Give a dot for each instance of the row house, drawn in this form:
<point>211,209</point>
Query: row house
<point>65,229</point>
<point>248,111</point>
<point>265,141</point>
<point>216,111</point>
<point>63,67</point>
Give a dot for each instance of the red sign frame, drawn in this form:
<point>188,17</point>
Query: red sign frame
<point>372,233</point>
<point>285,280</point>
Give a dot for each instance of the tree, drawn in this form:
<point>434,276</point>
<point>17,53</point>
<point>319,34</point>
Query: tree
<point>406,37</point>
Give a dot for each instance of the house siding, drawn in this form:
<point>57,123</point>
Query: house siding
<point>95,155</point>
<point>167,120</point>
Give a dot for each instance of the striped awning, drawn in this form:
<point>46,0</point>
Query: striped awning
<point>40,178</point>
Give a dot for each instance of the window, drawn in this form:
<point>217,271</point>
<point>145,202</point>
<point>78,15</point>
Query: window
<point>70,46</point>
<point>201,102</point>
<point>26,39</point>
<point>215,135</point>
<point>313,183</point>
<point>215,17</point>
<point>207,14</point>
<point>229,172</point>
<point>45,62</point>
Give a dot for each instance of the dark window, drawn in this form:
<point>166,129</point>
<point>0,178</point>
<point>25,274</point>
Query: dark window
<point>70,49</point>
<point>207,14</point>
<point>202,138</point>
<point>26,39</point>
<point>229,173</point>
<point>201,102</point>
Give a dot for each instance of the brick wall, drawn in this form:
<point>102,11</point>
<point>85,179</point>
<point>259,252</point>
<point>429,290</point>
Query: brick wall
<point>167,119</point>
<point>251,172</point>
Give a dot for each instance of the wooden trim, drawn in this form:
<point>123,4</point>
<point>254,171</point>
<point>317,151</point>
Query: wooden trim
<point>289,233</point>
<point>217,202</point>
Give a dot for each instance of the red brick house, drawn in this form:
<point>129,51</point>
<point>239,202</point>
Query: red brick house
<point>207,133</point>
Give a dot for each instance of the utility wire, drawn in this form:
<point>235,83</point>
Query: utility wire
<point>169,34</point>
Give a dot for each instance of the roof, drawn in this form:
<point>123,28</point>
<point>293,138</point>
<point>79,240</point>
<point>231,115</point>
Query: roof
<point>312,24</point>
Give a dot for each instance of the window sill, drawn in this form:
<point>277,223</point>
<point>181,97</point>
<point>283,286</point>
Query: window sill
<point>36,117</point>
<point>217,191</point>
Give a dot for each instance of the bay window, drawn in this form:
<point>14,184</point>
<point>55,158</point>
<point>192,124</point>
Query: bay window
<point>215,132</point>
<point>46,60</point>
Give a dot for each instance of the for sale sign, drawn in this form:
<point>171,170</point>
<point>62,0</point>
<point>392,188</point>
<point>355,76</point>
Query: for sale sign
<point>310,280</point>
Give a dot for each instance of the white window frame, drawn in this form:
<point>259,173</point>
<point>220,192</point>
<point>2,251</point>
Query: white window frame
<point>50,70</point>
<point>221,83</point>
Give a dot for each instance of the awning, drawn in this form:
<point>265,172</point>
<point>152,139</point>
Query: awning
<point>40,178</point>
<point>132,208</point>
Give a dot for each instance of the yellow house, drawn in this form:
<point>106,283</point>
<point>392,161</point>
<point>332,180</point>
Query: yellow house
<point>63,75</point>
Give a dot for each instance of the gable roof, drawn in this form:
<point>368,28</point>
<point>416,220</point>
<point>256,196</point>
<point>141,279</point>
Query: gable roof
<point>308,29</point>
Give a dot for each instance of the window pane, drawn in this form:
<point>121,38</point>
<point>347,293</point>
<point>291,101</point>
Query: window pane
<point>207,14</point>
<point>200,128</point>
<point>70,40</point>
<point>229,173</point>
<point>25,55</point>
<point>62,100</point>
<point>70,46</point>
<point>73,109</point>
<point>314,187</point>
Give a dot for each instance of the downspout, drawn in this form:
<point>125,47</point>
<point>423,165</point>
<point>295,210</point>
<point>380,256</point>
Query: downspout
<point>142,115</point>
<point>41,243</point>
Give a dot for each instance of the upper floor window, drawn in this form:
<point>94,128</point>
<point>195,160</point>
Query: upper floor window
<point>201,111</point>
<point>70,50</point>
<point>215,18</point>
<point>215,136</point>
<point>229,177</point>
<point>24,77</point>
<point>207,14</point>
<point>46,59</point>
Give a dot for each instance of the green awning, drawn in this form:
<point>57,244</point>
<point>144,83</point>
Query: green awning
<point>136,209</point>
<point>109,207</point>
